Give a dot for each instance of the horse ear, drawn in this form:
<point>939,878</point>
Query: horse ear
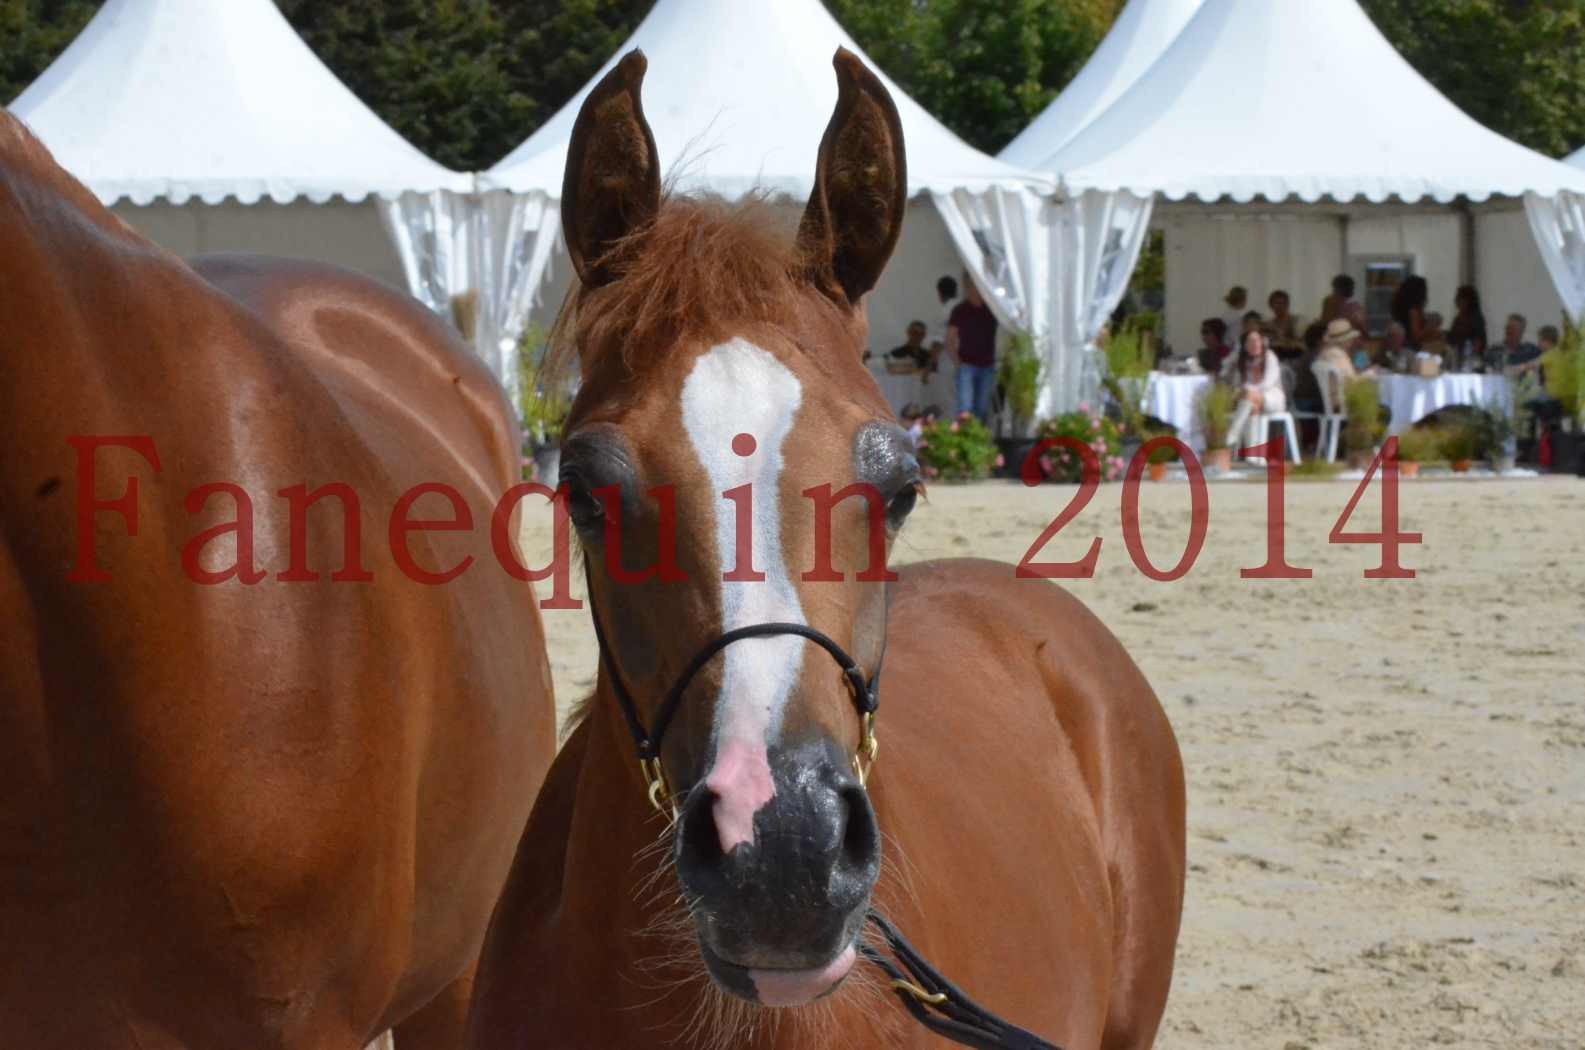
<point>612,184</point>
<point>855,211</point>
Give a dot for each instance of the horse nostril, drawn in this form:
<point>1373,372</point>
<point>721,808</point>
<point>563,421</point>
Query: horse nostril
<point>699,853</point>
<point>860,838</point>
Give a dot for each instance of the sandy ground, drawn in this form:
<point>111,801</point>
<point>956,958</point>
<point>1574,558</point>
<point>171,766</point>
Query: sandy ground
<point>1386,778</point>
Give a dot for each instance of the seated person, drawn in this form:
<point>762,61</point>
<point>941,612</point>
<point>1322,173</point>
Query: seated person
<point>1256,375</point>
<point>1283,328</point>
<point>1306,392</point>
<point>914,349</point>
<point>1213,336</point>
<point>1513,353</point>
<point>1434,341</point>
<point>1340,351</point>
<point>913,420</point>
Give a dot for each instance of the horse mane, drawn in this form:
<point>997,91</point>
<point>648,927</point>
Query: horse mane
<point>705,267</point>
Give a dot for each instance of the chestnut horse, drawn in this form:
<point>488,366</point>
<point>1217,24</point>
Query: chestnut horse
<point>1028,791</point>
<point>244,801</point>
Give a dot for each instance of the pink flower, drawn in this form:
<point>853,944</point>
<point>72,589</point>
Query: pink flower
<point>1084,406</point>
<point>1095,424</point>
<point>931,472</point>
<point>1001,461</point>
<point>921,443</point>
<point>963,415</point>
<point>955,427</point>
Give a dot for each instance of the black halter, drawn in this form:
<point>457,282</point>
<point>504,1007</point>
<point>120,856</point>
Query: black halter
<point>934,1001</point>
<point>866,694</point>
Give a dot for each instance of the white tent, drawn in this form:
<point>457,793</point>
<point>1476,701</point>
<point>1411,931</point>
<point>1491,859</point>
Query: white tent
<point>738,95</point>
<point>1299,115</point>
<point>1142,31</point>
<point>213,126</point>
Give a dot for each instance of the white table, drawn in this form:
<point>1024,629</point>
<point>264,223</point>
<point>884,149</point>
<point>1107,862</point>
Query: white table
<point>900,390</point>
<point>1171,399</point>
<point>1412,398</point>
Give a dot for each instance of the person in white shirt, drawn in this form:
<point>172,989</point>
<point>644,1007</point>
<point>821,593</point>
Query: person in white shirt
<point>1256,374</point>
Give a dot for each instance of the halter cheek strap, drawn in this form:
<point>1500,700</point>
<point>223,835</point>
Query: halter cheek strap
<point>865,693</point>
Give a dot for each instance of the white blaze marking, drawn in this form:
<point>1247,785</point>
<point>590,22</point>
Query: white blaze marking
<point>738,388</point>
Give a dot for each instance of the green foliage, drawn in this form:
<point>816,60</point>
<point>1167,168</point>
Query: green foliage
<point>1513,65</point>
<point>1362,407</point>
<point>1420,445</point>
<point>1315,469</point>
<point>1131,350</point>
<point>545,405</point>
<point>958,449</point>
<point>32,33</point>
<point>1099,433</point>
<point>1458,442</point>
<point>1214,410</point>
<point>1163,454</point>
<point>1018,371</point>
<point>985,68</point>
<point>1564,368</point>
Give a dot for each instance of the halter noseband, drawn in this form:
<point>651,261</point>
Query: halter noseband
<point>866,697</point>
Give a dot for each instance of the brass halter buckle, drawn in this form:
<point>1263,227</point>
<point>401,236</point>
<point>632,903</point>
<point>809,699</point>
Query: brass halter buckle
<point>659,792</point>
<point>869,747</point>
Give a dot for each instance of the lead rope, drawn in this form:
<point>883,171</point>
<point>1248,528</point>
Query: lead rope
<point>934,1001</point>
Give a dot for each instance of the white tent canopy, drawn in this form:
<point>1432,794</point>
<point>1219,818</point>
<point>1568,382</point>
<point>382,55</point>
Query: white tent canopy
<point>1143,30</point>
<point>1289,109</point>
<point>176,99</point>
<point>738,95</point>
<point>1234,109</point>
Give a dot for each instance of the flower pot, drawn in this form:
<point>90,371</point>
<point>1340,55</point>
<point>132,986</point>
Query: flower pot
<point>1408,470</point>
<point>1158,471</point>
<point>1461,466</point>
<point>547,465</point>
<point>1219,459</point>
<point>1014,452</point>
<point>1568,452</point>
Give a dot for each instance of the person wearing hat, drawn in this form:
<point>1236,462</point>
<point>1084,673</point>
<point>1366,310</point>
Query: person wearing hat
<point>1237,300</point>
<point>1338,349</point>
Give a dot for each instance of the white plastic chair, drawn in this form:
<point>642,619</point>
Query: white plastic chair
<point>1331,416</point>
<point>1263,430</point>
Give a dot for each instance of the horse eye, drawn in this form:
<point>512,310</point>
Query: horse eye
<point>583,507</point>
<point>901,506</point>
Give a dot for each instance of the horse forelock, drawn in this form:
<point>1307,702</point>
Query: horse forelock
<point>704,271</point>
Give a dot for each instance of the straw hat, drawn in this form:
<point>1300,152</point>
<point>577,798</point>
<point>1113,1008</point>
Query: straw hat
<point>1340,332</point>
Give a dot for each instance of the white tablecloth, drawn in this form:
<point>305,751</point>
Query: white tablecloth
<point>900,390</point>
<point>1412,398</point>
<point>1171,400</point>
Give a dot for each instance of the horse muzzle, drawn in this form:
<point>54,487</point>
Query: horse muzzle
<point>779,913</point>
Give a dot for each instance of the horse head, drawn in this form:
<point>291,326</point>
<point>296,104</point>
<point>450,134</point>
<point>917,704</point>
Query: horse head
<point>729,463</point>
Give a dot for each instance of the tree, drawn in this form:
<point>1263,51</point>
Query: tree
<point>32,33</point>
<point>1517,66</point>
<point>984,68</point>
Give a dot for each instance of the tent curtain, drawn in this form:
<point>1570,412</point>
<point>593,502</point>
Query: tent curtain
<point>1098,238</point>
<point>1558,224</point>
<point>1002,236</point>
<point>479,260</point>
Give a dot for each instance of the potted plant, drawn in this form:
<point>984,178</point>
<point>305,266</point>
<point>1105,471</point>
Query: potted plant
<point>1417,445</point>
<point>545,405</point>
<point>1458,446</point>
<point>1064,464</point>
<point>958,449</point>
<point>1130,355</point>
<point>1018,373</point>
<point>1158,459</point>
<point>1362,427</point>
<point>1496,437</point>
<point>1214,411</point>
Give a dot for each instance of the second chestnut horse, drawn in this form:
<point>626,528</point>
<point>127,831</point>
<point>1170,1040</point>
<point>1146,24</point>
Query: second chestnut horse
<point>1023,821</point>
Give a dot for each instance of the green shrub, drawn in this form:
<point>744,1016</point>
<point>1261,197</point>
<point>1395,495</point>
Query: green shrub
<point>1101,434</point>
<point>1131,350</point>
<point>1214,410</point>
<point>1363,427</point>
<point>1458,442</point>
<point>958,449</point>
<point>1019,372</point>
<point>1420,445</point>
<point>544,405</point>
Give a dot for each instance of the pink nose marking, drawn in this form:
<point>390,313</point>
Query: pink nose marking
<point>741,783</point>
